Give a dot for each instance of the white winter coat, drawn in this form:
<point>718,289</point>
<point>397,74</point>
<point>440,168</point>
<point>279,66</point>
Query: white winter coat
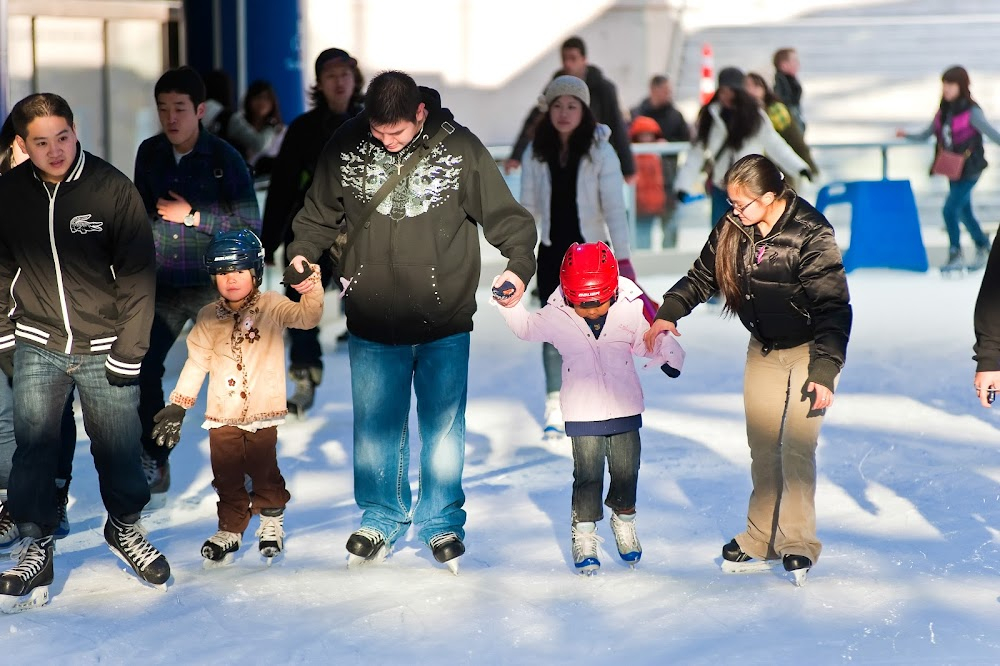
<point>600,198</point>
<point>765,142</point>
<point>599,376</point>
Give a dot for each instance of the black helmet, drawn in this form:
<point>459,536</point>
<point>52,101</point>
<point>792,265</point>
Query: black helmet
<point>236,251</point>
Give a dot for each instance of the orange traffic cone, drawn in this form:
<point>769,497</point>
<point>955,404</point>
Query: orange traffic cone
<point>706,86</point>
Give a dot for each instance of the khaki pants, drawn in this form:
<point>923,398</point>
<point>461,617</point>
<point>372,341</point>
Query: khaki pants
<point>782,431</point>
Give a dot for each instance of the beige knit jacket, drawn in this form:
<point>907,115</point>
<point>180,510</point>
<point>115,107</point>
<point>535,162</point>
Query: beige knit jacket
<point>243,354</point>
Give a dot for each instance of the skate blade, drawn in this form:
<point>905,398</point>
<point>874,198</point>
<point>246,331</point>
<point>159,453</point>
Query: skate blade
<point>799,577</point>
<point>156,501</point>
<point>270,556</point>
<point>37,597</point>
<point>589,570</point>
<point>227,560</point>
<point>553,435</point>
<point>453,565</point>
<point>750,566</point>
<point>358,562</point>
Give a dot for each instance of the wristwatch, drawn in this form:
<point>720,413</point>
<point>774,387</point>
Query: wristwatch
<point>189,218</point>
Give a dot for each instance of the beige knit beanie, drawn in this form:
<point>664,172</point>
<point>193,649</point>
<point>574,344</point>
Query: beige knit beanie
<point>564,85</point>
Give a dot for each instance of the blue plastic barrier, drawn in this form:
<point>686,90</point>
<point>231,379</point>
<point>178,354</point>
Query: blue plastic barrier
<point>885,227</point>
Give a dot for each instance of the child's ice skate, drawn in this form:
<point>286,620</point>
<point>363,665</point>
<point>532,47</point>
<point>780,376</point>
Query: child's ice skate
<point>271,533</point>
<point>218,549</point>
<point>366,546</point>
<point>629,548</point>
<point>585,542</point>
<point>798,566</point>
<point>555,427</point>
<point>734,560</point>
<point>27,584</point>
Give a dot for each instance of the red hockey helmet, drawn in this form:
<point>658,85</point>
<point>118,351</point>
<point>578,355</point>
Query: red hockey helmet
<point>589,274</point>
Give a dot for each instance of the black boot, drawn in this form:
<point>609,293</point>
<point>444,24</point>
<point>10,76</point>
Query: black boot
<point>127,540</point>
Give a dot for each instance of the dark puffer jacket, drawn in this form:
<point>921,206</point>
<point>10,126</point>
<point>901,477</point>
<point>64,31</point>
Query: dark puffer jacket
<point>793,284</point>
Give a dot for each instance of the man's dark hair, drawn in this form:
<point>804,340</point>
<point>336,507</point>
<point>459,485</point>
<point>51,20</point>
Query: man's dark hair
<point>183,81</point>
<point>657,80</point>
<point>317,98</point>
<point>781,55</point>
<point>39,105</point>
<point>392,97</point>
<point>575,43</point>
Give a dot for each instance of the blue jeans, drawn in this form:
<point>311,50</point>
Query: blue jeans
<point>43,380</point>
<point>622,452</point>
<point>7,444</point>
<point>381,381</point>
<point>958,208</point>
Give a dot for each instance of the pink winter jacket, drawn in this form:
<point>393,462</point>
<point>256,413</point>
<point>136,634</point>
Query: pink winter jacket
<point>599,376</point>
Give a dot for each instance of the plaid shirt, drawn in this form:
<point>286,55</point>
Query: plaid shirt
<point>215,180</point>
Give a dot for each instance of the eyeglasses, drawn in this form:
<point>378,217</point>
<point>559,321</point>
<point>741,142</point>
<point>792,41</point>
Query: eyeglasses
<point>739,210</point>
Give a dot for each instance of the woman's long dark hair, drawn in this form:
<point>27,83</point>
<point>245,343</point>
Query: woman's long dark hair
<point>258,87</point>
<point>742,120</point>
<point>756,175</point>
<point>548,146</point>
<point>957,75</point>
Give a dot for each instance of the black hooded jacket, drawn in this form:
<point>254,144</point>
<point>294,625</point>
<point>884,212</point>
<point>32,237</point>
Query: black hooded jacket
<point>414,264</point>
<point>793,283</point>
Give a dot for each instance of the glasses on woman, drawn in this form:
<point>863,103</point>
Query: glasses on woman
<point>740,209</point>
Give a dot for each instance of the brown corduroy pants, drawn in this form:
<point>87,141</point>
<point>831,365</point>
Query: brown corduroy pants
<point>235,453</point>
<point>782,432</point>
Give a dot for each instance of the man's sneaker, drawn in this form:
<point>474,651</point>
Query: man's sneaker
<point>798,566</point>
<point>447,548</point>
<point>305,381</point>
<point>158,478</point>
<point>27,584</point>
<point>623,525</point>
<point>734,560</point>
<point>9,534</point>
<point>585,542</point>
<point>271,532</point>
<point>62,503</point>
<point>555,426</point>
<point>366,546</point>
<point>127,540</point>
<point>979,261</point>
<point>221,544</point>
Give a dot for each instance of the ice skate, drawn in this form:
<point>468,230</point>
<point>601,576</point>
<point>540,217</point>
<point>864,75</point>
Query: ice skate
<point>555,427</point>
<point>271,533</point>
<point>218,549</point>
<point>158,478</point>
<point>27,584</point>
<point>366,546</point>
<point>585,542</point>
<point>62,500</point>
<point>305,381</point>
<point>9,535</point>
<point>955,266</point>
<point>979,260</point>
<point>734,560</point>
<point>447,549</point>
<point>128,541</point>
<point>798,566</point>
<point>629,548</point>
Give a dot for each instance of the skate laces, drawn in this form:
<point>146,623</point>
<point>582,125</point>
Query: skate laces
<point>372,535</point>
<point>442,538</point>
<point>225,539</point>
<point>31,559</point>
<point>132,540</point>
<point>628,540</point>
<point>7,524</point>
<point>271,528</point>
<point>585,543</point>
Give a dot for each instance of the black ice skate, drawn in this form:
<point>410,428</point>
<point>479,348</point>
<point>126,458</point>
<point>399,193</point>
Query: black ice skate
<point>62,502</point>
<point>219,548</point>
<point>127,539</point>
<point>271,533</point>
<point>734,560</point>
<point>9,536</point>
<point>447,548</point>
<point>798,566</point>
<point>305,380</point>
<point>27,584</point>
<point>366,546</point>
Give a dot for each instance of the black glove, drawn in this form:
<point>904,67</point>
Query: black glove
<point>682,196</point>
<point>807,174</point>
<point>167,431</point>
<point>7,363</point>
<point>121,380</point>
<point>670,371</point>
<point>293,275</point>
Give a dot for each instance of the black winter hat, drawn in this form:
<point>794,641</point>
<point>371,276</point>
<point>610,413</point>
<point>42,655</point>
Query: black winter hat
<point>731,77</point>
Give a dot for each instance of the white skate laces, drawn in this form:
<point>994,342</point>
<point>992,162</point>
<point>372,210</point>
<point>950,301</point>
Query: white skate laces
<point>132,540</point>
<point>271,529</point>
<point>31,556</point>
<point>585,544</point>
<point>626,538</point>
<point>225,540</point>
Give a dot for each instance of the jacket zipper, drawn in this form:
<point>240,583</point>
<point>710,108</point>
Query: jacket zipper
<point>57,265</point>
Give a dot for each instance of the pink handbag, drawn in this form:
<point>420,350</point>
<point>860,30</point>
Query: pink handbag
<point>949,164</point>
